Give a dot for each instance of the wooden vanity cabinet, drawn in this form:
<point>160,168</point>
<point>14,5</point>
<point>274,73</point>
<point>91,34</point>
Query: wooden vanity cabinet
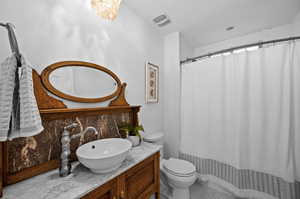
<point>139,182</point>
<point>106,191</point>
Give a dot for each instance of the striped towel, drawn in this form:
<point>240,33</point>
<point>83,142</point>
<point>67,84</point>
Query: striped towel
<point>19,114</point>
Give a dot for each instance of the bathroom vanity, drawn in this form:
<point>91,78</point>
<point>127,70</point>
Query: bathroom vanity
<point>141,181</point>
<point>137,178</point>
<point>29,166</point>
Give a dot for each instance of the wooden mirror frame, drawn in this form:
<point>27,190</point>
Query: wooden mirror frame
<point>45,76</point>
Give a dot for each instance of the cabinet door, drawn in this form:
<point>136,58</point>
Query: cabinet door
<point>106,191</point>
<point>141,181</point>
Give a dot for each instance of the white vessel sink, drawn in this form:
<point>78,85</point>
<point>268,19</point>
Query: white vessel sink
<point>103,156</point>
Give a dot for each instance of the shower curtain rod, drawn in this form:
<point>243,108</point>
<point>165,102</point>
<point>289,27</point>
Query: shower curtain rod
<point>260,44</point>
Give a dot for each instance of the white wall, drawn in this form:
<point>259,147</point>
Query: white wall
<point>296,25</point>
<point>172,94</point>
<point>58,30</point>
<point>186,50</point>
<point>176,49</point>
<point>288,30</point>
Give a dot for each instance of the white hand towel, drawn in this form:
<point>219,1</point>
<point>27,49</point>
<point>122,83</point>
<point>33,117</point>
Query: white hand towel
<point>7,85</point>
<point>30,120</point>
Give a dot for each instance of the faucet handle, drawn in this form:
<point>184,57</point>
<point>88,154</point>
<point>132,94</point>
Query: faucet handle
<point>82,133</point>
<point>73,125</point>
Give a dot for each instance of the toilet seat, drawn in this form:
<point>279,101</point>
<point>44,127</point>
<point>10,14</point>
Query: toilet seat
<point>180,168</point>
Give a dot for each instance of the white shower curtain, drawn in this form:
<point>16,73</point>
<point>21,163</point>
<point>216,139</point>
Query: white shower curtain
<point>241,118</point>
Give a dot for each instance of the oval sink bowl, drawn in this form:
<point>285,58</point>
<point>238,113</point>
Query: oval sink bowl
<point>105,155</point>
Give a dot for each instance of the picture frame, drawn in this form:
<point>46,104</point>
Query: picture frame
<point>152,83</point>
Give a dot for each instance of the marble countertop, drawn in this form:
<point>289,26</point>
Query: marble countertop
<point>50,186</point>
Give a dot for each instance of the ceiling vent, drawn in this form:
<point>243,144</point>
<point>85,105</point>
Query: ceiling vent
<point>230,28</point>
<point>162,20</point>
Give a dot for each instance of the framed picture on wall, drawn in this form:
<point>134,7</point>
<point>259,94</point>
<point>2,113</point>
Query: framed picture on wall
<point>152,86</point>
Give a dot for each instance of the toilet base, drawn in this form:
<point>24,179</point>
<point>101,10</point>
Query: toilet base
<point>181,193</point>
<point>174,187</point>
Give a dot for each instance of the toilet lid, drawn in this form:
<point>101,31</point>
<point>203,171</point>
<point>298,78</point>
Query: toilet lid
<point>179,167</point>
<point>153,137</point>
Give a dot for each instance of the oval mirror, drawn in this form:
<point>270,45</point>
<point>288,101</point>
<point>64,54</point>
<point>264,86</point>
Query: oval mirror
<point>81,81</point>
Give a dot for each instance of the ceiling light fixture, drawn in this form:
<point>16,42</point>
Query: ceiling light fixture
<point>108,9</point>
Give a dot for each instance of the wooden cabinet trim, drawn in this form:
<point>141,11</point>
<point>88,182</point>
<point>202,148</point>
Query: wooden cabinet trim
<point>97,109</point>
<point>140,165</point>
<point>144,166</point>
<point>109,187</point>
<point>119,183</point>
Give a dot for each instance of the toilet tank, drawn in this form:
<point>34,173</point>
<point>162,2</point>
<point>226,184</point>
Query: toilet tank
<point>155,138</point>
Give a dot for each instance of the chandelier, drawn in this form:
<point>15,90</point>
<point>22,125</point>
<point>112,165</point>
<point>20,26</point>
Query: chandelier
<point>108,9</point>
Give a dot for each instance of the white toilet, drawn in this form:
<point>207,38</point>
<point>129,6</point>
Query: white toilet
<point>180,174</point>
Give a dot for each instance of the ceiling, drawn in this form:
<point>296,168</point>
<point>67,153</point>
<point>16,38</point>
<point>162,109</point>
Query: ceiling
<point>204,22</point>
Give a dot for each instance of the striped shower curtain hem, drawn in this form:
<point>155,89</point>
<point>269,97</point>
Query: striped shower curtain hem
<point>245,179</point>
<point>222,185</point>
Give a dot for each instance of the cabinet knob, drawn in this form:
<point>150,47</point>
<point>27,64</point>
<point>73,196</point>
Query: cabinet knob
<point>114,197</point>
<point>122,195</point>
